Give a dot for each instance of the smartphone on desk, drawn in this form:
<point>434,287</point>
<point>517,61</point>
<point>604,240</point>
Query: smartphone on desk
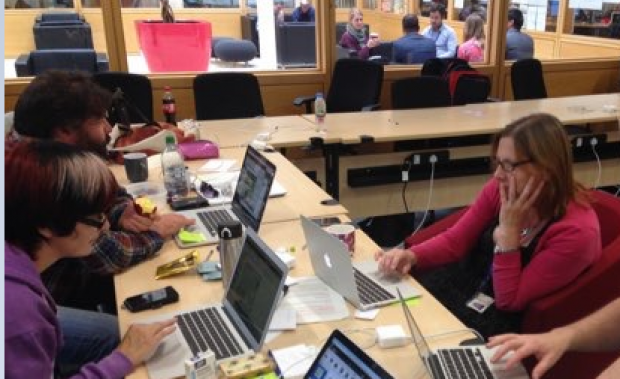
<point>186,203</point>
<point>151,300</point>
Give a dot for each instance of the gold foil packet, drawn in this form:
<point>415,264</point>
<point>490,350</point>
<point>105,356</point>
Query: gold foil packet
<point>178,265</point>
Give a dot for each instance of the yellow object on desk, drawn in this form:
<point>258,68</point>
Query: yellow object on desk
<point>178,265</point>
<point>246,367</point>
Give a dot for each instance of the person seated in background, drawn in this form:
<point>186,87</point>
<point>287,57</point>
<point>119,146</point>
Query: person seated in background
<point>304,12</point>
<point>530,232</point>
<point>518,45</point>
<point>69,107</point>
<point>443,35</point>
<point>356,38</point>
<point>412,47</point>
<point>278,11</point>
<point>473,7</point>
<point>598,332</point>
<point>472,50</point>
<point>58,215</point>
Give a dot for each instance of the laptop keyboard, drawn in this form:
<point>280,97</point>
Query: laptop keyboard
<point>212,217</point>
<point>369,291</point>
<point>463,363</point>
<point>205,329</point>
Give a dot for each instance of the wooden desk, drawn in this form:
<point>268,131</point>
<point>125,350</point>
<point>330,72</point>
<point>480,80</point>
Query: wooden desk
<point>286,131</point>
<point>440,123</point>
<point>303,196</point>
<point>400,362</point>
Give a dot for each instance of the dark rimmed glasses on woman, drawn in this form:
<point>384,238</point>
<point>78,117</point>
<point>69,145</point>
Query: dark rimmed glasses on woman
<point>508,166</point>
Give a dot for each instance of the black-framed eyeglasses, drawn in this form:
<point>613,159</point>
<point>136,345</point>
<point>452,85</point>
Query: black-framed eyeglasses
<point>96,223</point>
<point>508,166</point>
<point>208,191</point>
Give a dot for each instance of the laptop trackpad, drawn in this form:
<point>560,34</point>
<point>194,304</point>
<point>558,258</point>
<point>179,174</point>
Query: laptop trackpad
<point>167,360</point>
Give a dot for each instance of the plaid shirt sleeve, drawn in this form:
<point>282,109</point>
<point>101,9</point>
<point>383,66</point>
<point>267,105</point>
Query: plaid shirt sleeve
<point>114,214</point>
<point>114,251</point>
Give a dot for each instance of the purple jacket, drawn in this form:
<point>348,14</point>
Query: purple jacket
<point>350,42</point>
<point>31,332</point>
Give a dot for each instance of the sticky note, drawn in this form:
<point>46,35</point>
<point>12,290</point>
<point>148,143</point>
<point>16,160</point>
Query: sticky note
<point>190,237</point>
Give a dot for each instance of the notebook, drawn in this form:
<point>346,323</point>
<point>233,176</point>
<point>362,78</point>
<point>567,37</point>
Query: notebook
<point>340,358</point>
<point>234,328</point>
<point>248,204</point>
<point>460,362</point>
<point>360,283</point>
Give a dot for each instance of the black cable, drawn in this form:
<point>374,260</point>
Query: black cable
<point>405,178</point>
<point>405,197</point>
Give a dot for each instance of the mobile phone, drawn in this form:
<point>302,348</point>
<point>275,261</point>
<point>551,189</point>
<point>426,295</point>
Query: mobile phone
<point>151,300</point>
<point>326,221</point>
<point>188,203</point>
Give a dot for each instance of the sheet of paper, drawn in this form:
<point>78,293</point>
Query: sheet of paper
<point>314,301</point>
<point>294,361</point>
<point>217,165</point>
<point>284,319</point>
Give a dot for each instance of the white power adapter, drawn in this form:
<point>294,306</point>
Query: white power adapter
<point>391,336</point>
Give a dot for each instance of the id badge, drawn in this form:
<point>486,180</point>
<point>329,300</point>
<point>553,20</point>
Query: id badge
<point>480,302</point>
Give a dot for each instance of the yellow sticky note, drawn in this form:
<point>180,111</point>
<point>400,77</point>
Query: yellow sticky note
<point>412,302</point>
<point>270,375</point>
<point>190,237</point>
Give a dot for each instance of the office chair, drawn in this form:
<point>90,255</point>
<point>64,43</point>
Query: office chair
<point>39,61</point>
<point>137,91</point>
<point>471,88</point>
<point>527,80</point>
<point>355,86</point>
<point>420,92</point>
<point>227,95</point>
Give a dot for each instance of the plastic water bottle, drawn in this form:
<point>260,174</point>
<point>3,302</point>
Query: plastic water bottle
<point>175,173</point>
<point>169,107</point>
<point>320,111</point>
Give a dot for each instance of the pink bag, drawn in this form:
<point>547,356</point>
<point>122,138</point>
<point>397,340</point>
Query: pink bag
<point>199,150</point>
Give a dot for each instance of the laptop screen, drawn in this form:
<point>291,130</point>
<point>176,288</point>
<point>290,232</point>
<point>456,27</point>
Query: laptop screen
<point>255,286</point>
<point>341,358</point>
<point>255,179</point>
<point>418,339</point>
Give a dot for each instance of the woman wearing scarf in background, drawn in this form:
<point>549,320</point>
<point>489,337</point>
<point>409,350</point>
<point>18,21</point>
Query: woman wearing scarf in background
<point>356,37</point>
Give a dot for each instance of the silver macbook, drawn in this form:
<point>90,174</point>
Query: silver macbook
<point>460,362</point>
<point>361,283</point>
<point>248,203</point>
<point>234,328</point>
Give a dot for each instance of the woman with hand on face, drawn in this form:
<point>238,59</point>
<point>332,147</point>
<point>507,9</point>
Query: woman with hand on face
<point>529,233</point>
<point>356,37</point>
<point>58,215</point>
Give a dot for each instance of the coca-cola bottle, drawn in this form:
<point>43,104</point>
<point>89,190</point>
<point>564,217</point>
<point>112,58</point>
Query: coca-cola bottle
<point>169,107</point>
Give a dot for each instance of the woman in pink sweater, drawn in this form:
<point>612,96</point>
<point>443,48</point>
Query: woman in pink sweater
<point>472,50</point>
<point>529,233</point>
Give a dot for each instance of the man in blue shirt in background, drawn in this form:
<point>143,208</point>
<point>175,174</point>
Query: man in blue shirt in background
<point>413,47</point>
<point>443,35</point>
<point>304,12</point>
<point>518,45</point>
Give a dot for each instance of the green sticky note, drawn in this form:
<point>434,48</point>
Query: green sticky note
<point>191,237</point>
<point>413,301</point>
<point>270,375</point>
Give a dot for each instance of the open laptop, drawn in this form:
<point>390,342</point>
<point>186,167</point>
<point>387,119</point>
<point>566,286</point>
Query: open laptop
<point>234,328</point>
<point>460,362</point>
<point>248,204</point>
<point>361,283</point>
<point>340,358</point>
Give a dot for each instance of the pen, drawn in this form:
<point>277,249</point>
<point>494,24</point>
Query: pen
<point>209,255</point>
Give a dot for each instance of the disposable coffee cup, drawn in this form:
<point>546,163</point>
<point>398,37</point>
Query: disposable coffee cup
<point>136,167</point>
<point>374,35</point>
<point>345,233</point>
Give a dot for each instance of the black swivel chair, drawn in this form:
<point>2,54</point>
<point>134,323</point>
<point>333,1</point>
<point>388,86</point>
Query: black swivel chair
<point>227,95</point>
<point>527,80</point>
<point>39,61</point>
<point>137,91</point>
<point>355,86</point>
<point>420,92</point>
<point>471,89</point>
<point>62,30</point>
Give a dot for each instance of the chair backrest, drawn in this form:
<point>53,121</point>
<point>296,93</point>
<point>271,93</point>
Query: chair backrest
<point>527,80</point>
<point>227,95</point>
<point>469,87</point>
<point>296,43</point>
<point>56,17</point>
<point>591,290</point>
<point>355,84</point>
<point>443,66</point>
<point>137,91</point>
<point>63,59</point>
<point>420,92</point>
